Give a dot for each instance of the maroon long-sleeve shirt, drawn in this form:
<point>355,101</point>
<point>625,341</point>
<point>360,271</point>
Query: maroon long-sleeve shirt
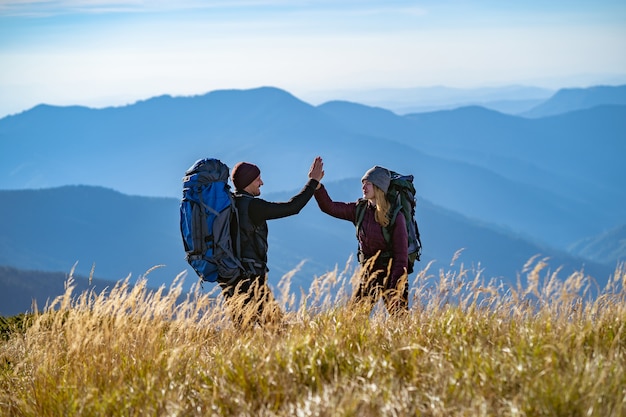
<point>370,236</point>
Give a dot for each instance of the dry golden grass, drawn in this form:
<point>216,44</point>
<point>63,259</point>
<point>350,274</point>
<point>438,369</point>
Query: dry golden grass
<point>468,348</point>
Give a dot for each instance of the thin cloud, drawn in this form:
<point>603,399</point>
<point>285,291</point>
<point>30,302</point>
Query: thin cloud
<point>60,7</point>
<point>37,8</point>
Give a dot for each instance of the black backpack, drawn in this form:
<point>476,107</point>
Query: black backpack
<point>209,222</point>
<point>401,195</point>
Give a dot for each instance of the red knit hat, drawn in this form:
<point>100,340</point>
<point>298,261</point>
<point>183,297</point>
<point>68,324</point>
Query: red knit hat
<point>243,174</point>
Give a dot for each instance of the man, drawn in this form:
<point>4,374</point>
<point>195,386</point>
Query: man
<point>249,297</point>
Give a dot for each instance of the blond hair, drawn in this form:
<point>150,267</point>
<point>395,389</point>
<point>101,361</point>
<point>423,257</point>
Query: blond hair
<point>382,207</point>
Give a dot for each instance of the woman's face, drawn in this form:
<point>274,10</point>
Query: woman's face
<point>368,190</point>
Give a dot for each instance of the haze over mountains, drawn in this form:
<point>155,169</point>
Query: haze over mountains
<point>513,99</point>
<point>504,187</point>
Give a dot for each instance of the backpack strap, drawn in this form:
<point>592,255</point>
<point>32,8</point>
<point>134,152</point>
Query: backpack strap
<point>234,229</point>
<point>200,244</point>
<point>361,206</point>
<point>251,267</point>
<point>393,213</point>
<point>360,212</point>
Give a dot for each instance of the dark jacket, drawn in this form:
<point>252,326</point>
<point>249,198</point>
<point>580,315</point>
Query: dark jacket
<point>253,215</point>
<point>370,235</point>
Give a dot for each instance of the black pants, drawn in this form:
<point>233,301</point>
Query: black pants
<point>250,301</point>
<point>375,283</point>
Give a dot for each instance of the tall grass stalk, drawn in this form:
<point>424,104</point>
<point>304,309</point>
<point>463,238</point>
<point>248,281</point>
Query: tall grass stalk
<point>469,347</point>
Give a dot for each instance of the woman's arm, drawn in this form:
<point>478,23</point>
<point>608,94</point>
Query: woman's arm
<point>344,211</point>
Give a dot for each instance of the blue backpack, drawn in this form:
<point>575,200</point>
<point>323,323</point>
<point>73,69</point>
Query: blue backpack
<point>209,222</point>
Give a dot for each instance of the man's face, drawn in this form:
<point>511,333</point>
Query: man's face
<point>254,187</point>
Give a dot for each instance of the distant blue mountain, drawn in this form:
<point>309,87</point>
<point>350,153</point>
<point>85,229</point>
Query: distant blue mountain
<point>120,236</point>
<point>552,180</point>
<point>608,247</point>
<point>52,229</point>
<point>510,170</point>
<point>507,99</point>
<point>571,99</point>
<point>23,291</point>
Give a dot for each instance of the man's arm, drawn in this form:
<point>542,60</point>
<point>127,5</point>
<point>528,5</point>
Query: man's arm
<point>261,210</point>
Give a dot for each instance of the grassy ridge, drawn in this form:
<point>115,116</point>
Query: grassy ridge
<point>468,347</point>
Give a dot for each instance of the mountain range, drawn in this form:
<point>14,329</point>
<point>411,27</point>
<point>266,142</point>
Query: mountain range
<point>102,186</point>
<point>26,291</point>
<point>514,99</point>
<point>116,236</point>
<point>572,99</point>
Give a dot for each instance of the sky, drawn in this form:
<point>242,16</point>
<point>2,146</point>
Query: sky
<point>102,53</point>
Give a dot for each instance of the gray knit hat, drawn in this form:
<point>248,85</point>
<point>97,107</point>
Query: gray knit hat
<point>379,176</point>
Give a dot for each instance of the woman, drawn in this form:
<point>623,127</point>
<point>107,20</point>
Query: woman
<point>384,265</point>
